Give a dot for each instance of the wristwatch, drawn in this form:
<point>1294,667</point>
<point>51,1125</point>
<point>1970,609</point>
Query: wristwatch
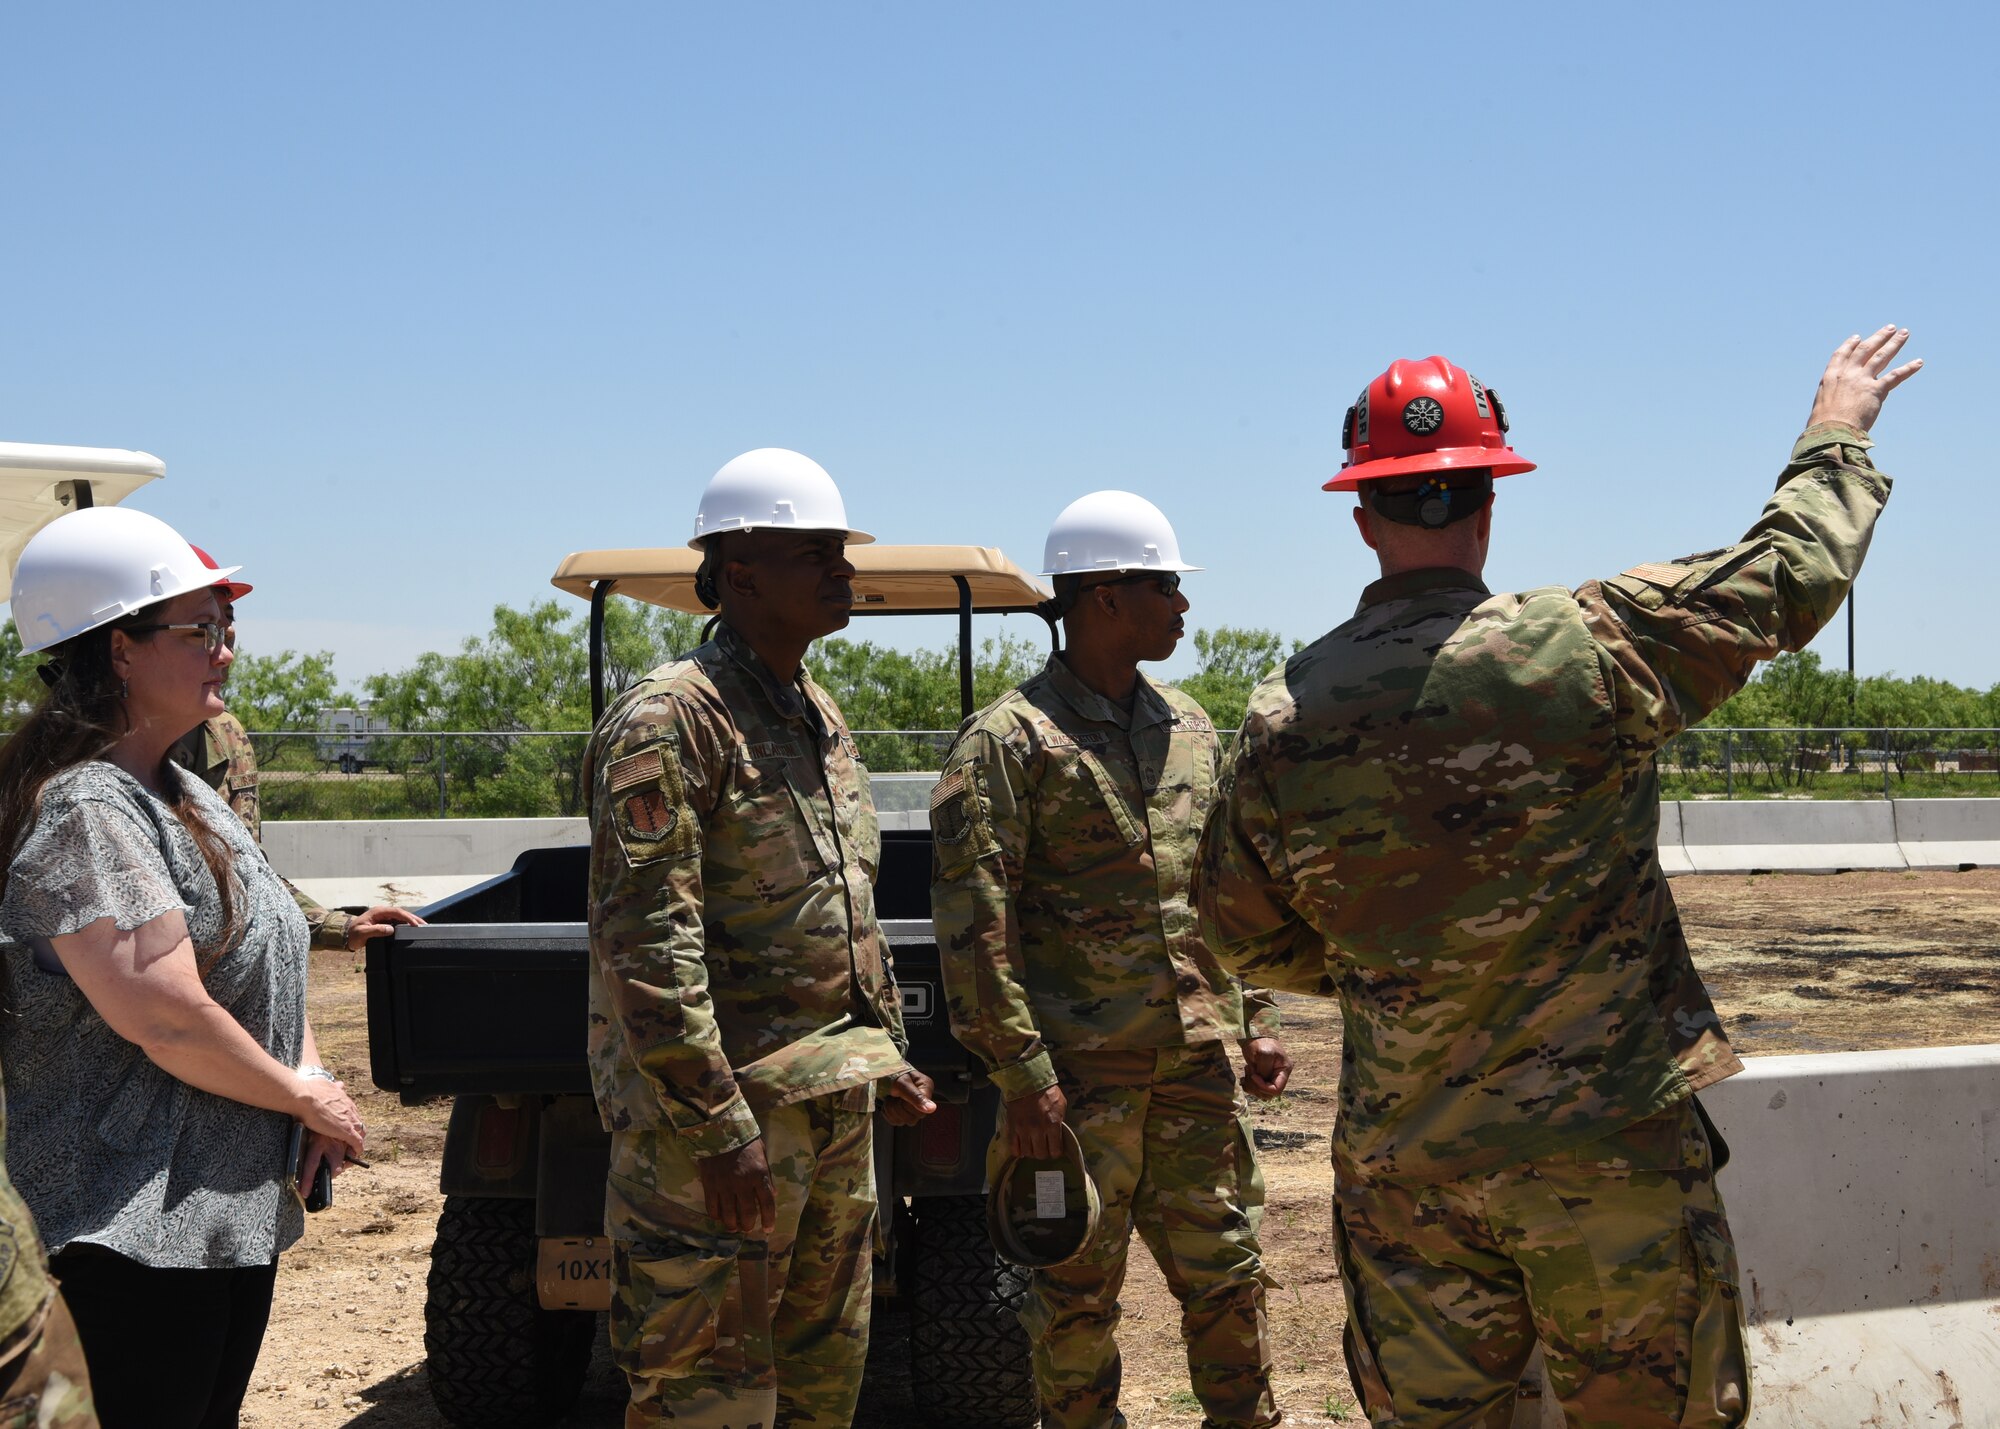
<point>317,1073</point>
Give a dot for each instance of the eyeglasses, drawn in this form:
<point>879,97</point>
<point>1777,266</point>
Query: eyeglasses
<point>1167,582</point>
<point>214,633</point>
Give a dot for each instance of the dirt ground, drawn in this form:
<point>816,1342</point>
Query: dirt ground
<point>1796,964</point>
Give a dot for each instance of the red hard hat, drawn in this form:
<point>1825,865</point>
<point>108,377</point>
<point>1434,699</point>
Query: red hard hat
<point>1424,416</point>
<point>232,590</point>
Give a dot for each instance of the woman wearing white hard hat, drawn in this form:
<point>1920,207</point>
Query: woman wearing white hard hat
<point>156,1040</point>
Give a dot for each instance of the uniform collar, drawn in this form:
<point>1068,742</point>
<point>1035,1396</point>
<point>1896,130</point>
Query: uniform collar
<point>1148,706</point>
<point>1406,584</point>
<point>790,701</point>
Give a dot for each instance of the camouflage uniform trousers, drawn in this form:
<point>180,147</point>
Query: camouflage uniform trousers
<point>45,1384</point>
<point>1166,1140</point>
<point>1615,1255</point>
<point>718,1331</point>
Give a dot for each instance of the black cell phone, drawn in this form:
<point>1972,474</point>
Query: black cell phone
<point>320,1195</point>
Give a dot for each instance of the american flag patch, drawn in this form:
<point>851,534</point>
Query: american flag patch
<point>946,787</point>
<point>1662,574</point>
<point>633,770</point>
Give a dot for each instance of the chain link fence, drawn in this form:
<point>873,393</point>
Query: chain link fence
<point>513,774</point>
<point>475,774</point>
<point>1831,764</point>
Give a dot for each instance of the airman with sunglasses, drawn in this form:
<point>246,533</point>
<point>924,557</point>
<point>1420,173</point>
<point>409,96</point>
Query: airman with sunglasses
<point>1064,825</point>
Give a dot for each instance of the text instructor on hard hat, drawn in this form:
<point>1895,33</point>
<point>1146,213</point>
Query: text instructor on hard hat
<point>744,1020</point>
<point>1446,813</point>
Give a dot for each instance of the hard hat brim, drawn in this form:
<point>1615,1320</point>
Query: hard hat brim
<point>1501,461</point>
<point>1006,1243</point>
<point>1171,567</point>
<point>854,538</point>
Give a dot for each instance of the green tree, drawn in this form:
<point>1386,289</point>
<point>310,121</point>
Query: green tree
<point>20,687</point>
<point>529,674</point>
<point>1797,691</point>
<point>1232,661</point>
<point>882,689</point>
<point>283,691</point>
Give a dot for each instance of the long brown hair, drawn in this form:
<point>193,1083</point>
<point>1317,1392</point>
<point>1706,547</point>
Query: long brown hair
<point>80,718</point>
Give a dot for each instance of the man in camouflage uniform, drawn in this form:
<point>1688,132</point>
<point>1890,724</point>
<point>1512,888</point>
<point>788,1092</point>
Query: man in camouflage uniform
<point>1064,829</point>
<point>219,753</point>
<point>43,1381</point>
<point>1445,813</point>
<point>742,1009</point>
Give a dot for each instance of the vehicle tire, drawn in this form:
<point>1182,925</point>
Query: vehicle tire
<point>348,766</point>
<point>969,1364</point>
<point>494,1357</point>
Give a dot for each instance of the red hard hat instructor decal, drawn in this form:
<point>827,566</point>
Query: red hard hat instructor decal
<point>1425,416</point>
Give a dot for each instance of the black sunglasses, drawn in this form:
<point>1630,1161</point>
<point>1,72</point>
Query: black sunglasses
<point>1168,582</point>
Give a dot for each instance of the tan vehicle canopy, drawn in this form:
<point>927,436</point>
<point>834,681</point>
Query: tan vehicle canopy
<point>888,580</point>
<point>39,483</point>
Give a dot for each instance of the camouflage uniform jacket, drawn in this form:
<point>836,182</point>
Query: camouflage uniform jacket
<point>736,960</point>
<point>1446,812</point>
<point>219,753</point>
<point>1064,833</point>
<point>25,1286</point>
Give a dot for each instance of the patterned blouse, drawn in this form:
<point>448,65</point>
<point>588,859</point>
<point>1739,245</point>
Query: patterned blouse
<point>105,1146</point>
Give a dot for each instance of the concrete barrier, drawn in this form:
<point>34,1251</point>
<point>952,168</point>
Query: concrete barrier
<point>1949,833</point>
<point>1790,835</point>
<point>402,890</point>
<point>409,848</point>
<point>1860,1189</point>
<point>1673,847</point>
<point>1861,1193</point>
<point>1774,835</point>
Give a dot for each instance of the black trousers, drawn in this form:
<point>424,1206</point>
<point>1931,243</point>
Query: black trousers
<point>167,1349</point>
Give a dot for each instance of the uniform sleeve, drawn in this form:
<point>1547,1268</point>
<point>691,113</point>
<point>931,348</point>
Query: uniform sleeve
<point>1242,884</point>
<point>328,926</point>
<point>84,860</point>
<point>1260,1004</point>
<point>652,777</point>
<point>980,824</point>
<point>1260,1013</point>
<point>1679,638</point>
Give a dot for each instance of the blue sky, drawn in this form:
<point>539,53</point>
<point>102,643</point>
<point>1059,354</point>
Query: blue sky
<point>415,299</point>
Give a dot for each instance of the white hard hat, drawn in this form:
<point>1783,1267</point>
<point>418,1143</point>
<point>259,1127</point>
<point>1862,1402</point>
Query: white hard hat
<point>772,487</point>
<point>91,567</point>
<point>1111,531</point>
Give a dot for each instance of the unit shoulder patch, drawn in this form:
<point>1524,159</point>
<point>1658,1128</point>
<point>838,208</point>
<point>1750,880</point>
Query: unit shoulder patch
<point>950,818</point>
<point>961,833</point>
<point>645,798</point>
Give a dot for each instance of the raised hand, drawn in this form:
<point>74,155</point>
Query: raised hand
<point>1855,381</point>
